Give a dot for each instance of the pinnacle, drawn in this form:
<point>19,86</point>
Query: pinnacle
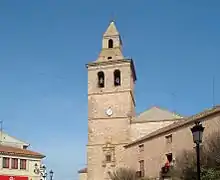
<point>111,30</point>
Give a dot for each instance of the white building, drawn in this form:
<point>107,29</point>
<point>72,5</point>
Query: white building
<point>16,161</point>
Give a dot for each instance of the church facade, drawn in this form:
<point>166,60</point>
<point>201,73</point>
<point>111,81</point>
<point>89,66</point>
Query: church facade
<point>117,137</point>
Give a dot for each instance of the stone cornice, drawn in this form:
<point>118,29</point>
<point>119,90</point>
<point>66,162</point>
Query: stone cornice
<point>109,118</point>
<point>109,92</point>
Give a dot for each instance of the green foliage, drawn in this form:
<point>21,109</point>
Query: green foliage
<point>210,174</point>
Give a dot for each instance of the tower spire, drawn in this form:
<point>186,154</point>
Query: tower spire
<point>111,44</point>
<point>111,30</point>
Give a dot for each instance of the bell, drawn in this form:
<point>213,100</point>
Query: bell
<point>101,80</point>
<point>117,80</point>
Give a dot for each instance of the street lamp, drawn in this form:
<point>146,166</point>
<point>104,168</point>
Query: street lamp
<point>44,172</point>
<point>51,175</point>
<point>197,132</point>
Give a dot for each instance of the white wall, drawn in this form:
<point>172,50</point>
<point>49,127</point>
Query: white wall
<point>7,140</point>
<point>30,166</point>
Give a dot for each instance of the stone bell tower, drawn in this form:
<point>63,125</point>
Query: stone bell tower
<point>111,105</point>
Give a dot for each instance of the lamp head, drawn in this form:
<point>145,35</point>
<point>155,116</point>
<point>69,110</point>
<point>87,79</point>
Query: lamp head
<point>51,173</point>
<point>197,132</point>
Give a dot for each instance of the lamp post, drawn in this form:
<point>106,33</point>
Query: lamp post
<point>44,172</point>
<point>197,132</point>
<point>51,175</point>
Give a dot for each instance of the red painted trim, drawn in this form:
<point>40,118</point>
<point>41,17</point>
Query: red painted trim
<point>13,177</point>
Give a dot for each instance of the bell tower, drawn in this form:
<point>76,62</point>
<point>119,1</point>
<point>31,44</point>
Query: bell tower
<point>111,105</point>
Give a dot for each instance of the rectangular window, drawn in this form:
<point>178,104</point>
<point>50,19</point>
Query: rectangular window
<point>142,168</point>
<point>141,147</point>
<point>23,164</point>
<point>25,147</point>
<point>108,158</point>
<point>6,162</point>
<point>169,139</point>
<point>14,163</point>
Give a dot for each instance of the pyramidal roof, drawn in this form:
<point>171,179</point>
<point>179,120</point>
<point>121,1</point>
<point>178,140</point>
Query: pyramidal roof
<point>111,30</point>
<point>157,113</point>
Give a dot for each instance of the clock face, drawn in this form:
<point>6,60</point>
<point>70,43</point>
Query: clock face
<point>109,111</point>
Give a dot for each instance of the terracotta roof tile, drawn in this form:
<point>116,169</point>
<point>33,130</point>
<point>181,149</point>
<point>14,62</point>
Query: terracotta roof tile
<point>14,151</point>
<point>84,170</point>
<point>177,124</point>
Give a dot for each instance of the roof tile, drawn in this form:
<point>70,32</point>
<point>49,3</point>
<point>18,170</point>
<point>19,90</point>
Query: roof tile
<point>14,151</point>
<point>84,170</point>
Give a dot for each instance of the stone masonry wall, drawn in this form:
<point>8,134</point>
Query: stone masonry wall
<point>155,149</point>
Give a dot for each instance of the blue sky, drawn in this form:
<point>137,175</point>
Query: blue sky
<point>44,46</point>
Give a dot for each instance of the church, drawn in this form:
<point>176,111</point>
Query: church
<point>117,136</point>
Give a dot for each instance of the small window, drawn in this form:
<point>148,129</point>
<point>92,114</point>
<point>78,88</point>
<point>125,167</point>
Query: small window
<point>117,78</point>
<point>6,162</point>
<point>108,158</point>
<point>110,43</point>
<point>109,57</point>
<point>142,167</point>
<point>23,164</point>
<point>14,163</point>
<point>101,79</point>
<point>25,147</point>
<point>141,147</point>
<point>169,139</point>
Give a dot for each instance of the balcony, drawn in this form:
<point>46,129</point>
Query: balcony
<point>166,171</point>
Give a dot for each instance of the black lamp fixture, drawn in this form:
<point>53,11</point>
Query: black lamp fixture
<point>197,132</point>
<point>51,174</point>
